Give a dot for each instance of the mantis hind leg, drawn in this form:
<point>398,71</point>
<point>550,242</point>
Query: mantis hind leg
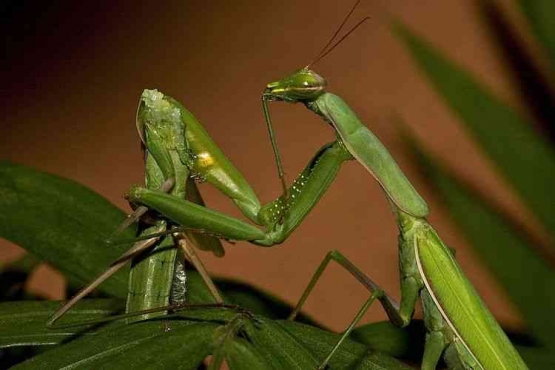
<point>192,257</point>
<point>435,344</point>
<point>399,314</point>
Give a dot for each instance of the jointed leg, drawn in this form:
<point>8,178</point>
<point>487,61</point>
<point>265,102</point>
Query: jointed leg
<point>352,325</point>
<point>191,255</point>
<point>435,344</point>
<point>137,249</point>
<point>399,315</point>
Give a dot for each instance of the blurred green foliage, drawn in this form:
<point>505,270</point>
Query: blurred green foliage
<point>524,154</point>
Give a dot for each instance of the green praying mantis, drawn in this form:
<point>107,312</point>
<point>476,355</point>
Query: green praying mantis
<point>459,325</point>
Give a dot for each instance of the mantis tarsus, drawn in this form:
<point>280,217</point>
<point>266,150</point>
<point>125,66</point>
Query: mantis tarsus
<point>459,325</point>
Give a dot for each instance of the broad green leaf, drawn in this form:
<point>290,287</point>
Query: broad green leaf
<point>406,343</point>
<point>156,344</point>
<point>23,323</point>
<point>350,355</point>
<point>280,349</point>
<point>525,277</point>
<point>523,156</point>
<point>540,14</point>
<point>245,295</point>
<point>242,355</point>
<point>258,301</point>
<point>62,223</point>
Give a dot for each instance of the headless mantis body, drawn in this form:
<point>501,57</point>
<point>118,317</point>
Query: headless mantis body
<point>459,325</point>
<point>178,149</point>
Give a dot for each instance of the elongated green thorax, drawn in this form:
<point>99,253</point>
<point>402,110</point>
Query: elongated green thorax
<point>370,153</point>
<point>308,87</point>
<point>194,216</point>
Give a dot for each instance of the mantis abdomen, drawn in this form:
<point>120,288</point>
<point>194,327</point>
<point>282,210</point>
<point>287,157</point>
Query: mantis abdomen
<point>462,309</point>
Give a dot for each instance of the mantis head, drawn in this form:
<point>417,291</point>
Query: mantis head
<point>302,86</point>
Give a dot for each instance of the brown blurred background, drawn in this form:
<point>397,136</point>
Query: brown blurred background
<point>74,71</point>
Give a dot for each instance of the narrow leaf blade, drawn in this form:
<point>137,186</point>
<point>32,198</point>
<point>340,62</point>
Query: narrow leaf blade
<point>24,323</point>
<point>152,344</point>
<point>280,349</point>
<point>540,16</point>
<point>523,156</point>
<point>350,355</point>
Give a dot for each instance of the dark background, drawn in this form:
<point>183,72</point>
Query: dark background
<point>73,73</point>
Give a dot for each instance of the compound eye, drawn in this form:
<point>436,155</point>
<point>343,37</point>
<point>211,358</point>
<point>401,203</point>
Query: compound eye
<point>309,83</point>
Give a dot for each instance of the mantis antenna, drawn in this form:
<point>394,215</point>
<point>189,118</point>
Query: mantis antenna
<point>325,51</point>
<point>323,54</point>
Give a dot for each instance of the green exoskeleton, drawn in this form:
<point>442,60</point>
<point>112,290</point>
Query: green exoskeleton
<point>178,150</point>
<point>158,274</point>
<point>459,324</point>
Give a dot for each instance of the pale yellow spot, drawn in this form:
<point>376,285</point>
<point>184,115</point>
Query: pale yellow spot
<point>204,160</point>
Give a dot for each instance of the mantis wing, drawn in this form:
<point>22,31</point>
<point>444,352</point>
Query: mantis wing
<point>202,241</point>
<point>461,306</point>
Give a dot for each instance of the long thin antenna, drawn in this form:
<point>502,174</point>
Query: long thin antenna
<point>339,41</point>
<point>318,56</point>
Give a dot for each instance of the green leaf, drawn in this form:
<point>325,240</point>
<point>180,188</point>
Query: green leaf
<point>62,223</point>
<point>242,355</point>
<point>23,323</point>
<point>540,14</point>
<point>523,156</point>
<point>280,349</point>
<point>155,344</point>
<point>406,343</point>
<point>504,252</point>
<point>350,354</point>
<point>258,301</point>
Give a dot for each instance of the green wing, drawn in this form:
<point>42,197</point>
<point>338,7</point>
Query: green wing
<point>461,306</point>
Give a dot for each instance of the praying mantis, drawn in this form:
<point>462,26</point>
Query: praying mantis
<point>459,325</point>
